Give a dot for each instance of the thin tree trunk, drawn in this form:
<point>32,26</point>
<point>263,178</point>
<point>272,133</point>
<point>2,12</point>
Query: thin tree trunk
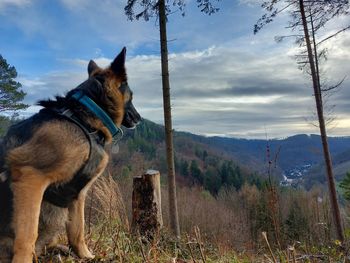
<point>174,219</point>
<point>316,59</point>
<point>326,153</point>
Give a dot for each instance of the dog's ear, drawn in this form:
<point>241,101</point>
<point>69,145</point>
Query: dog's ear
<point>118,64</point>
<point>92,67</point>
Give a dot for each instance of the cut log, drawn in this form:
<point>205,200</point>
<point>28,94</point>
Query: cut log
<point>147,217</point>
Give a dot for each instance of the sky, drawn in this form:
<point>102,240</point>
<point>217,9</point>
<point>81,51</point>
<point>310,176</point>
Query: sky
<point>224,80</point>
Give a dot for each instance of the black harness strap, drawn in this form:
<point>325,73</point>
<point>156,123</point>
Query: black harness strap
<point>63,194</point>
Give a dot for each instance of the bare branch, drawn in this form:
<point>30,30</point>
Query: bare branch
<point>334,87</point>
<point>333,35</point>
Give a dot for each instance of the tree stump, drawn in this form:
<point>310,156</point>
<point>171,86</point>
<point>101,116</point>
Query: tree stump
<point>146,204</point>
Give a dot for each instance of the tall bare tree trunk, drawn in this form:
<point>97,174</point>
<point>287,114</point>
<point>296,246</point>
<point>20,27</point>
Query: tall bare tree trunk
<point>319,107</point>
<point>174,219</point>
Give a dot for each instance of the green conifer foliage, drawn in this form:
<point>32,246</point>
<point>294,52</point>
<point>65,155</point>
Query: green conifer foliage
<point>11,94</point>
<point>345,185</point>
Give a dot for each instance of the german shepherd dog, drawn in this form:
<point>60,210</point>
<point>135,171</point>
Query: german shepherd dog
<point>49,161</point>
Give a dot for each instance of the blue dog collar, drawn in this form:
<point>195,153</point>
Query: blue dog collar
<point>100,113</point>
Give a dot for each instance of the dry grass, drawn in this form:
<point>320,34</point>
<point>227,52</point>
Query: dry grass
<point>111,242</point>
<point>219,223</point>
<point>214,229</point>
<point>109,236</point>
<point>235,219</point>
<point>105,202</point>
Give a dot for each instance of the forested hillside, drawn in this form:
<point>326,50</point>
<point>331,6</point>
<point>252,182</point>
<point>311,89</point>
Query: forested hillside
<point>218,161</point>
<point>196,161</point>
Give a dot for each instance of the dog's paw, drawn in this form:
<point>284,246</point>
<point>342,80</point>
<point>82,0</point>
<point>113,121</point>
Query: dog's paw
<point>87,255</point>
<point>22,258</point>
<point>84,252</point>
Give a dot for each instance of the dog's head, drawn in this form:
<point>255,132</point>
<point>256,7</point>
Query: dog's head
<point>110,90</point>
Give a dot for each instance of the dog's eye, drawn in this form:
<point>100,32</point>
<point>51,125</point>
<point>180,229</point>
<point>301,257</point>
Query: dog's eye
<point>124,87</point>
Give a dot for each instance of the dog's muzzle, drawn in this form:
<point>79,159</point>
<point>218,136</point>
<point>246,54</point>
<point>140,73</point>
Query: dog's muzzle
<point>131,116</point>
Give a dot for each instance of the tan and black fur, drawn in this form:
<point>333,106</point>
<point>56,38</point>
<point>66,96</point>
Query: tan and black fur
<point>42,159</point>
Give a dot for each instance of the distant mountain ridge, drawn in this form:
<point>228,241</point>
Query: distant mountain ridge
<point>287,154</point>
<point>291,154</point>
<point>292,151</point>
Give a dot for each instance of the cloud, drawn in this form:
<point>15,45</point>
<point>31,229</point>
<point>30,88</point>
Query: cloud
<point>13,3</point>
<point>110,23</point>
<point>63,27</point>
<point>251,3</point>
<point>224,80</point>
<point>219,90</point>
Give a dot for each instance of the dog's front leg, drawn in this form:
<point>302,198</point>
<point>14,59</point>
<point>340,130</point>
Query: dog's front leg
<point>76,221</point>
<point>28,186</point>
<point>75,227</point>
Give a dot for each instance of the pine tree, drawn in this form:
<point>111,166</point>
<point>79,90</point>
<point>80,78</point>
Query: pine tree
<point>212,181</point>
<point>11,94</point>
<point>345,185</point>
<point>196,172</point>
<point>297,227</point>
<point>184,168</point>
